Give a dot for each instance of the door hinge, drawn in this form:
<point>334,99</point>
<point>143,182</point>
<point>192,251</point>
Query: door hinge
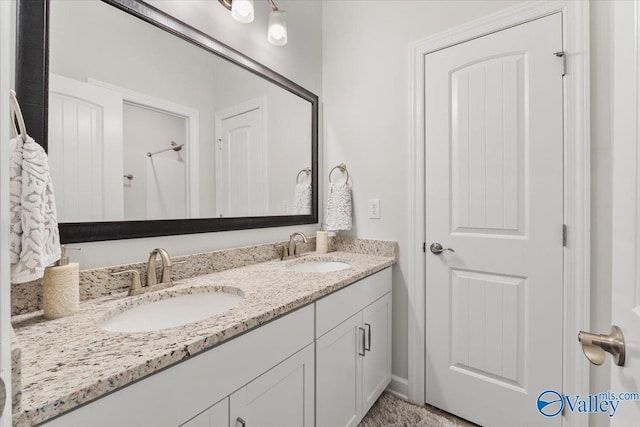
<point>564,234</point>
<point>424,247</point>
<point>563,56</point>
<point>220,144</point>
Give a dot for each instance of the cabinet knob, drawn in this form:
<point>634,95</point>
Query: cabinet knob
<point>241,422</point>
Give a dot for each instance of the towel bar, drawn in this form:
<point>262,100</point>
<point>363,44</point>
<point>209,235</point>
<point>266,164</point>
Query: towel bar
<point>16,114</point>
<point>306,171</point>
<point>343,169</point>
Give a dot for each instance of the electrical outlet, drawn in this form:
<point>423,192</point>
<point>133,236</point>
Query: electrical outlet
<point>374,208</point>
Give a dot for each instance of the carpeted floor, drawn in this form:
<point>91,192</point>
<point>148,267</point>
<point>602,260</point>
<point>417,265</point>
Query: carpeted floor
<point>390,411</point>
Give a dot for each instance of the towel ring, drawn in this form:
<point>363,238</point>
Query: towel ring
<point>343,169</point>
<point>306,171</point>
<point>16,114</point>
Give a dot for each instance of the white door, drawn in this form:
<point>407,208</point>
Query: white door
<point>625,310</point>
<point>339,368</point>
<point>494,193</point>
<point>241,160</point>
<point>85,150</point>
<point>6,39</point>
<point>281,397</point>
<point>376,365</point>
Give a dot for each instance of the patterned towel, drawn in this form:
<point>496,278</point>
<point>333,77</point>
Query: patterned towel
<point>339,207</point>
<point>302,199</point>
<point>34,236</point>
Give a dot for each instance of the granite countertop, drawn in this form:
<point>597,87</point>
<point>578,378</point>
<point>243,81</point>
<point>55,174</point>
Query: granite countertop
<point>71,361</point>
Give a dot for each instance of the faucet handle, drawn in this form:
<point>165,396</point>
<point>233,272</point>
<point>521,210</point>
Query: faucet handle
<point>135,279</point>
<point>285,251</point>
<point>295,248</point>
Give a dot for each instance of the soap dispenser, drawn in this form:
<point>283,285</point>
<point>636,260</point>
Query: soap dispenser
<point>322,240</point>
<point>61,290</point>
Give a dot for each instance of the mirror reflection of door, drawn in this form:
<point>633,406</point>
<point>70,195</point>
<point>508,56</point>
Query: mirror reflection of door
<point>89,42</point>
<point>85,150</point>
<point>241,160</point>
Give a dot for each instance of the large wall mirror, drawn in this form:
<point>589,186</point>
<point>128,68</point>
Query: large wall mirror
<point>153,128</point>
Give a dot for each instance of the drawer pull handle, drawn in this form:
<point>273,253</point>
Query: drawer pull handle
<point>241,422</point>
<point>368,326</point>
<point>364,344</point>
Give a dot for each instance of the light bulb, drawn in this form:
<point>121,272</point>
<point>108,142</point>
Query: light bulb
<point>277,34</point>
<point>242,10</point>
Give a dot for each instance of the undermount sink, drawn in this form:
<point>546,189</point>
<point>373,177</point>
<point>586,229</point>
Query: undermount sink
<point>174,311</point>
<point>319,266</point>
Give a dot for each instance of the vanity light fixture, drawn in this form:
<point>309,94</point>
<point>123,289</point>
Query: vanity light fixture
<point>277,33</point>
<point>242,11</point>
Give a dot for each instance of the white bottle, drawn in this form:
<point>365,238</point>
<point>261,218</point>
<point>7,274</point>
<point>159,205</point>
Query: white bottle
<point>322,240</point>
<point>61,288</point>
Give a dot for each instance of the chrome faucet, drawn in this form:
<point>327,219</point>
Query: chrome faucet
<point>152,280</point>
<point>291,249</point>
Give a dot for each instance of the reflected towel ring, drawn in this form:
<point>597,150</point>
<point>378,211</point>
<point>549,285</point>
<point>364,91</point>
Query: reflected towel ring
<point>16,114</point>
<point>343,169</point>
<point>306,171</point>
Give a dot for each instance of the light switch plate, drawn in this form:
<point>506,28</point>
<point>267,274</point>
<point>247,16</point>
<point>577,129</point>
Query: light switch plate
<point>374,208</point>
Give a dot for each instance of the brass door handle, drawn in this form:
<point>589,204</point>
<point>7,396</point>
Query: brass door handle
<point>595,345</point>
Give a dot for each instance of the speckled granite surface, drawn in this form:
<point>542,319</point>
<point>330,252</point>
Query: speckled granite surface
<point>364,246</point>
<point>16,374</point>
<point>85,362</point>
<point>98,282</point>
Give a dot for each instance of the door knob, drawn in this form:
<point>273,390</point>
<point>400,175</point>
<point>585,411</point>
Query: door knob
<point>436,248</point>
<point>595,345</point>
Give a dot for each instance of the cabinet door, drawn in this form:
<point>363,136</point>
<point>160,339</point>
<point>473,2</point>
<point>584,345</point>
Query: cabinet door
<point>376,365</point>
<point>216,416</point>
<point>283,396</point>
<point>339,368</point>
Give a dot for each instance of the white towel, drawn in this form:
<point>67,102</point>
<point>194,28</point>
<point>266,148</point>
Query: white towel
<point>34,236</point>
<point>339,207</point>
<point>302,199</point>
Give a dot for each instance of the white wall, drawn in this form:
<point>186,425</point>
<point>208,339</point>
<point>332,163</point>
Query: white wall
<point>299,60</point>
<point>365,94</point>
<point>365,52</point>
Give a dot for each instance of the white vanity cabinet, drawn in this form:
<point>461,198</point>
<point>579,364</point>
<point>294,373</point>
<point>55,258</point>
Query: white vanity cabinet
<point>216,416</point>
<point>244,376</point>
<point>353,350</point>
<point>282,396</point>
<point>324,364</point>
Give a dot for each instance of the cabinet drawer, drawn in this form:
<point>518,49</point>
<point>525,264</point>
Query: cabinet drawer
<point>339,306</point>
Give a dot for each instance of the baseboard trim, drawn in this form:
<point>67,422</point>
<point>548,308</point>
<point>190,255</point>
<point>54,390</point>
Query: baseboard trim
<point>399,387</point>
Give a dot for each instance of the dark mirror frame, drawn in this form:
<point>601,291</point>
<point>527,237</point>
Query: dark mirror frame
<point>32,87</point>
